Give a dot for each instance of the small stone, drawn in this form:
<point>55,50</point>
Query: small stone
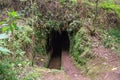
<point>114,69</point>
<point>42,59</point>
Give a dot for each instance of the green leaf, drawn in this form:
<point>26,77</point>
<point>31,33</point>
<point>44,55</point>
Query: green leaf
<point>4,51</point>
<point>4,36</point>
<point>4,29</point>
<point>14,25</point>
<point>2,22</point>
<point>11,28</point>
<point>74,1</point>
<point>12,14</point>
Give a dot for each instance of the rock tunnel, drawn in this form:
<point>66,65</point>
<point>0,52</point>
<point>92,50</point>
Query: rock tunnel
<point>57,42</point>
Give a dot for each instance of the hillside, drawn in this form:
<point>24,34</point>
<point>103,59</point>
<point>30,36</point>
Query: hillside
<point>59,40</point>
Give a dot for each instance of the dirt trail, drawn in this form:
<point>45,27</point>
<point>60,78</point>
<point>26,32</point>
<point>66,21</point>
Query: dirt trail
<point>70,68</point>
<point>55,63</point>
<point>111,61</point>
<point>55,75</point>
<point>104,66</point>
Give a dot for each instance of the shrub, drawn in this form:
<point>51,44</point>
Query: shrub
<point>7,71</point>
<point>80,46</point>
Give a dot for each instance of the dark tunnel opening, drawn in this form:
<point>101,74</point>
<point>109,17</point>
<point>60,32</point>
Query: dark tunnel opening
<point>56,43</point>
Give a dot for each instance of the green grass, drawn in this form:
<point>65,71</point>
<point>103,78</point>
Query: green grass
<point>111,6</point>
<point>115,32</point>
<point>111,38</point>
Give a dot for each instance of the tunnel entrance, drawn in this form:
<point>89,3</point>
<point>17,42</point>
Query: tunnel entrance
<point>56,43</point>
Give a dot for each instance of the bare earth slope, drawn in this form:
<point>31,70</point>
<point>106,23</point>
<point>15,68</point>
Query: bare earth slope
<point>106,65</point>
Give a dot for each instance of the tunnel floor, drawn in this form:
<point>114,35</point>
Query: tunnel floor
<point>59,42</point>
<point>55,62</point>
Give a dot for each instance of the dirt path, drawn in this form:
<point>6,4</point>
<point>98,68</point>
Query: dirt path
<point>55,62</point>
<point>70,68</point>
<point>55,75</point>
<point>108,65</point>
<point>104,66</point>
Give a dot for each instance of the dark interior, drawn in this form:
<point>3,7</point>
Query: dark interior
<point>57,42</point>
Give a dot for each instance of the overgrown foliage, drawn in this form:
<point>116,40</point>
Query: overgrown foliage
<point>110,39</point>
<point>53,15</point>
<point>80,47</point>
<point>43,16</point>
<point>111,6</point>
<point>13,41</point>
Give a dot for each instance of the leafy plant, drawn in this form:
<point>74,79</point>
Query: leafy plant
<point>114,32</point>
<point>80,46</point>
<point>7,71</point>
<point>111,6</point>
<point>9,25</point>
<point>14,40</point>
<point>110,39</point>
<point>2,49</point>
<point>4,36</point>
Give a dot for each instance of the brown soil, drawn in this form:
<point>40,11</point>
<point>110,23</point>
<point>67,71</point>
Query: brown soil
<point>55,63</point>
<point>70,68</point>
<point>55,75</point>
<point>106,65</point>
<point>39,73</point>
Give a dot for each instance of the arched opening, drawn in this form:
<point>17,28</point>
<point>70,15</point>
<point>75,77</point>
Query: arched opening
<point>56,43</point>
